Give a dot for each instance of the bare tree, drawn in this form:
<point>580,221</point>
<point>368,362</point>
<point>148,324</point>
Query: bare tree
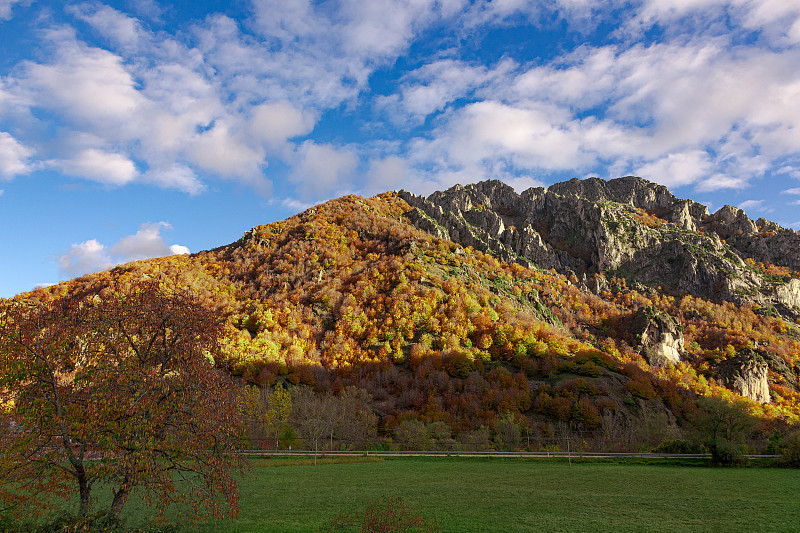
<point>314,416</point>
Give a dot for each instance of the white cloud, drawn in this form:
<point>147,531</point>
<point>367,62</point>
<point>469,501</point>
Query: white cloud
<point>158,103</point>
<point>92,256</point>
<point>120,29</point>
<point>751,204</point>
<point>722,181</point>
<point>523,183</point>
<point>487,137</point>
<point>325,52</point>
<point>6,5</point>
<point>178,249</point>
<point>276,122</point>
<point>175,176</point>
<point>795,190</point>
<point>147,8</point>
<point>696,111</point>
<point>678,168</point>
<point>385,174</point>
<point>82,258</point>
<point>756,206</point>
<point>97,165</point>
<point>223,151</point>
<point>294,204</point>
<point>13,156</point>
<point>145,243</point>
<point>322,170</point>
<point>430,88</point>
<point>89,85</point>
<point>777,20</point>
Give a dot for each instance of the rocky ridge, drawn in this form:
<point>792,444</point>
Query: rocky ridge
<point>626,227</point>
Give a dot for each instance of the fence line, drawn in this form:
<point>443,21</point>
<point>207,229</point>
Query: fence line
<point>455,453</point>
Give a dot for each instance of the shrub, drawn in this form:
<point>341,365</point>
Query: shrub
<point>790,450</point>
<point>393,516</point>
<point>642,389</point>
<point>589,368</point>
<point>728,454</point>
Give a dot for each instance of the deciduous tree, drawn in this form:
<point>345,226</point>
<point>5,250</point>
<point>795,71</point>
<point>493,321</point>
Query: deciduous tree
<point>117,387</point>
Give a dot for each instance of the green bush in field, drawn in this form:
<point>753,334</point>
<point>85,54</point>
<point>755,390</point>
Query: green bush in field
<point>790,450</point>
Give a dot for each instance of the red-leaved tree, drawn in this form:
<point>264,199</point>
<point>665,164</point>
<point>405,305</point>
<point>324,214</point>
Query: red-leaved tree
<point>118,387</point>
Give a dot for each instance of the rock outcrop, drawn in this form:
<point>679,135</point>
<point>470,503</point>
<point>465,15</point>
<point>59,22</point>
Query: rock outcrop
<point>747,375</point>
<point>626,227</point>
<point>660,337</point>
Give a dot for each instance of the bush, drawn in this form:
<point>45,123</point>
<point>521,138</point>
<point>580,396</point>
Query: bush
<point>641,389</point>
<point>790,450</point>
<point>394,516</point>
<point>728,454</point>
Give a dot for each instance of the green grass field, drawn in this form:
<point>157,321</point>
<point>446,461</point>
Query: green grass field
<point>519,495</point>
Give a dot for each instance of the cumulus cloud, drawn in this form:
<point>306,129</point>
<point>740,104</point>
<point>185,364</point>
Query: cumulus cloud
<point>386,174</point>
<point>777,20</point>
<point>87,84</point>
<point>120,29</point>
<point>84,257</point>
<point>322,170</point>
<point>430,88</point>
<point>145,243</point>
<point>276,122</point>
<point>690,112</point>
<point>13,156</point>
<point>175,176</point>
<point>92,256</point>
<point>97,165</point>
<point>678,168</point>
<point>228,98</point>
<point>222,150</point>
<point>722,181</point>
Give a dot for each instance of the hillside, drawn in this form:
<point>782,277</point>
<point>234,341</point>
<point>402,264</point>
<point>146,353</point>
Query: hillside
<point>618,305</point>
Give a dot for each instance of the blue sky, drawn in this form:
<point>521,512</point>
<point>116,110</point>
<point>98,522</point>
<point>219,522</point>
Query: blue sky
<point>139,128</point>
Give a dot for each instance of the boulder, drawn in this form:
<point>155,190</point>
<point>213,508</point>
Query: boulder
<point>660,337</point>
<point>746,374</point>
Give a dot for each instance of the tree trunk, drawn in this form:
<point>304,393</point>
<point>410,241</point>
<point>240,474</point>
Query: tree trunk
<point>120,497</point>
<point>85,490</point>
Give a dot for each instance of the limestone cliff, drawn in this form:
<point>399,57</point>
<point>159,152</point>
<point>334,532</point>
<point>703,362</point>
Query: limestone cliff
<point>746,374</point>
<point>626,227</point>
<point>660,337</point>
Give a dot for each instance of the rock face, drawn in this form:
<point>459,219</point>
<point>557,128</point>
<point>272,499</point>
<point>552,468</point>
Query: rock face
<point>747,375</point>
<point>660,336</point>
<point>626,227</point>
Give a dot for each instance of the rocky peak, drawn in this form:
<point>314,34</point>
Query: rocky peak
<point>630,190</point>
<point>731,220</point>
<point>626,227</point>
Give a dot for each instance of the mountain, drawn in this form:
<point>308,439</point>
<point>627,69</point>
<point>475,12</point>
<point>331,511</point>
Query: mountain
<point>599,307</point>
<point>626,227</point>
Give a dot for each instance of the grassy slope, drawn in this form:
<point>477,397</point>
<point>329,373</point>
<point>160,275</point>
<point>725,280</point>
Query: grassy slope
<point>523,495</point>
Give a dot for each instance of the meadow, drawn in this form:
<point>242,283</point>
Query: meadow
<point>504,494</point>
